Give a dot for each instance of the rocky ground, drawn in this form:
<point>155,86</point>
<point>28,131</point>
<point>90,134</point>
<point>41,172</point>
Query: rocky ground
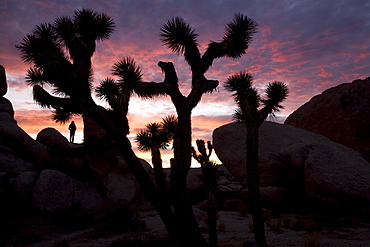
<point>234,229</point>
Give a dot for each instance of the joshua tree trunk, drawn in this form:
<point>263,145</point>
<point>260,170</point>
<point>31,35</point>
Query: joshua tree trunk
<point>179,171</point>
<point>212,219</point>
<point>160,176</point>
<point>146,184</point>
<point>253,183</point>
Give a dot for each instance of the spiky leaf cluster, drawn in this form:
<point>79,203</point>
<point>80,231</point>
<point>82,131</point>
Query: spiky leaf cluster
<point>176,34</point>
<point>238,35</point>
<point>169,123</point>
<point>60,53</point>
<point>243,91</point>
<point>97,26</point>
<point>119,92</point>
<point>128,71</point>
<point>181,38</point>
<point>61,116</point>
<point>159,134</point>
<point>276,92</point>
<point>108,90</point>
<point>249,101</point>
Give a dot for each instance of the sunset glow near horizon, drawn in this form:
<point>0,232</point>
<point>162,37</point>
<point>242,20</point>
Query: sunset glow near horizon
<point>309,45</point>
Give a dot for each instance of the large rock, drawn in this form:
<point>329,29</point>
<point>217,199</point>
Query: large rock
<point>121,186</point>
<point>12,164</point>
<point>52,138</point>
<point>193,180</point>
<point>15,138</point>
<point>341,113</point>
<point>25,148</point>
<point>23,186</point>
<point>55,191</point>
<point>298,161</point>
<point>6,109</point>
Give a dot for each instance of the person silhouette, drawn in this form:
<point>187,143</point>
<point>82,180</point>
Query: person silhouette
<point>72,130</point>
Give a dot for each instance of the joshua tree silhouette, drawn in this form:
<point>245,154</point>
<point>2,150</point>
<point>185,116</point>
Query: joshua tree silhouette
<point>70,75</point>
<point>157,136</point>
<point>118,93</point>
<point>210,178</point>
<point>249,111</point>
<point>179,37</point>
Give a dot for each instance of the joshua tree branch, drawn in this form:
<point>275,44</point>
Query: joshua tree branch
<point>263,114</point>
<point>171,82</point>
<point>213,51</point>
<point>150,89</point>
<point>192,56</point>
<point>47,100</point>
<point>199,88</point>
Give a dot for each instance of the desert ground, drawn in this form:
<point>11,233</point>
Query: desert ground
<point>283,231</point>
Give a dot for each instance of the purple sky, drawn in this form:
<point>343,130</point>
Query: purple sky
<point>311,45</point>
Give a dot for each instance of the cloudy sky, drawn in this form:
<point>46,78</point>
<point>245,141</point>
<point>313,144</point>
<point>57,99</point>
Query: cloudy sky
<point>311,45</point>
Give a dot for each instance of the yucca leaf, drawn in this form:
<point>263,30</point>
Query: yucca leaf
<point>128,71</point>
<point>176,34</point>
<point>107,89</point>
<point>276,92</point>
<point>93,25</point>
<point>61,116</point>
<point>238,35</point>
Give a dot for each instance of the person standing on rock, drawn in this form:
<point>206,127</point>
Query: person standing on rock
<point>72,130</point>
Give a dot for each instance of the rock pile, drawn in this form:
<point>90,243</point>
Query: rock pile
<point>41,177</point>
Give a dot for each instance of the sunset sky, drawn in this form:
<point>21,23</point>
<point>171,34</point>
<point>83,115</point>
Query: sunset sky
<point>311,45</point>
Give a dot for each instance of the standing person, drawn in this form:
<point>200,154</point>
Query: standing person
<point>72,130</point>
